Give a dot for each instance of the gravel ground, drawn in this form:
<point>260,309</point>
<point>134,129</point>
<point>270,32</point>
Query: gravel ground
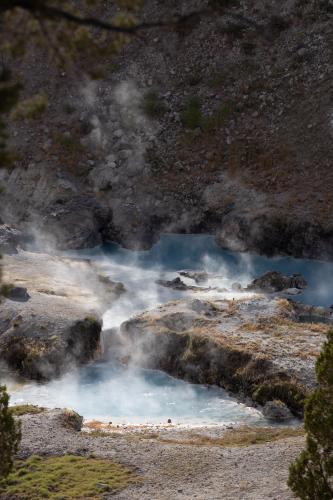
<point>173,471</point>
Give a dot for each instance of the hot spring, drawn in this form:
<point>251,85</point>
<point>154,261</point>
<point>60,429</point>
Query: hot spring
<point>110,391</point>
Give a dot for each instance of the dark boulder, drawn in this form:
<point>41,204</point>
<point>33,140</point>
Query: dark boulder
<point>273,281</point>
<point>9,239</point>
<point>17,293</point>
<point>176,284</point>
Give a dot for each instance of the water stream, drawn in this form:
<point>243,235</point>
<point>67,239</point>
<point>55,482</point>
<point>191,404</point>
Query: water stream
<point>110,391</point>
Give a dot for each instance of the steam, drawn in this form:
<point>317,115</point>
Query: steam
<point>127,393</point>
<point>121,393</point>
<point>120,130</point>
<point>111,392</point>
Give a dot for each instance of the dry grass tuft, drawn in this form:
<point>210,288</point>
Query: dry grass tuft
<point>19,410</point>
<point>242,436</point>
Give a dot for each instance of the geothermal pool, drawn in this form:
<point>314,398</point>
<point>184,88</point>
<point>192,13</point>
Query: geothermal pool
<point>112,392</point>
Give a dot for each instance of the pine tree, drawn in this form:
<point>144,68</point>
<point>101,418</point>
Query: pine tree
<point>311,475</point>
<point>10,435</point>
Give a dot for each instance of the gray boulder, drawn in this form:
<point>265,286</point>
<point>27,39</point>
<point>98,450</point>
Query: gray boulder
<point>277,411</point>
<point>176,284</point>
<point>9,239</point>
<point>197,276</point>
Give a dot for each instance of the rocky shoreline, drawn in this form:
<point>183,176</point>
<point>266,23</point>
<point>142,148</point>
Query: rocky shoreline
<point>255,347</point>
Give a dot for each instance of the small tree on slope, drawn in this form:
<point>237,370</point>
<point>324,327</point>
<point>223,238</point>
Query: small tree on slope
<point>311,475</point>
<point>10,435</point>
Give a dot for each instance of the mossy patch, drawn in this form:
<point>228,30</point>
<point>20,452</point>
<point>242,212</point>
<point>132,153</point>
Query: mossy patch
<point>66,477</point>
<point>19,410</point>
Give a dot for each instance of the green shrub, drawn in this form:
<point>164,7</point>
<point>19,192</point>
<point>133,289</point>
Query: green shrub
<point>152,104</point>
<point>10,435</point>
<point>30,108</point>
<point>19,410</point>
<point>5,290</point>
<point>289,392</point>
<point>218,118</point>
<point>191,116</point>
<point>311,475</point>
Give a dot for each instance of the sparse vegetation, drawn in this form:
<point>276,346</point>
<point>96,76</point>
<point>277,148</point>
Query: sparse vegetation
<point>10,435</point>
<point>218,118</point>
<point>71,419</point>
<point>311,475</point>
<point>291,393</point>
<point>152,104</point>
<point>217,80</point>
<point>19,410</point>
<point>191,116</point>
<point>68,147</point>
<point>69,144</point>
<point>31,108</point>
<point>66,477</point>
<point>5,290</point>
<point>242,436</point>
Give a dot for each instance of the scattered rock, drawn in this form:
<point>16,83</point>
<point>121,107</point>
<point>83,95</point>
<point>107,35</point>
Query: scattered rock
<point>198,276</point>
<point>276,410</point>
<point>206,308</point>
<point>273,281</point>
<point>176,284</point>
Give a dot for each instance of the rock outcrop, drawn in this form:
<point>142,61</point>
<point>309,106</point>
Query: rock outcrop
<point>175,284</point>
<point>59,326</point>
<point>273,281</point>
<point>200,277</point>
<point>277,411</point>
<point>10,238</point>
<point>253,346</point>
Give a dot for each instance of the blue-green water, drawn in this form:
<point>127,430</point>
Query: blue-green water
<point>175,252</point>
<point>114,392</point>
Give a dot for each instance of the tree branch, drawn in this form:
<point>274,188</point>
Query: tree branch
<point>40,8</point>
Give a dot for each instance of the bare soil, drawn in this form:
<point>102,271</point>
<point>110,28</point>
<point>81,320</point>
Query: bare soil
<point>173,470</point>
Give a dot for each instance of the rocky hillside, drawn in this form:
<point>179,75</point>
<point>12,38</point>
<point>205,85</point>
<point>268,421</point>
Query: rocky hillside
<point>225,127</point>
